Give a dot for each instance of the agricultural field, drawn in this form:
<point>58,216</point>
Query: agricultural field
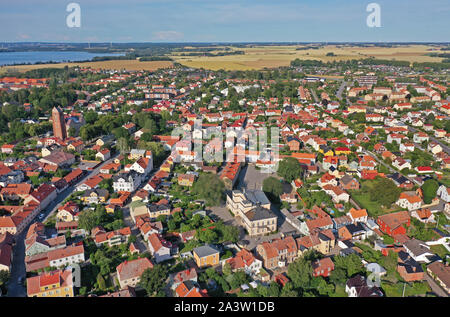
<point>131,65</point>
<point>260,57</point>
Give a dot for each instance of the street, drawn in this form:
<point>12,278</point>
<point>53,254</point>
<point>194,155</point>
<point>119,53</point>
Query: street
<point>15,289</point>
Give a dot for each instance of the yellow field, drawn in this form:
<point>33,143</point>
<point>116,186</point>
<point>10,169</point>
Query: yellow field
<point>117,64</point>
<point>259,57</point>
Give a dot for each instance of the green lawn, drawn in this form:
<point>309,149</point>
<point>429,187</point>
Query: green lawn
<point>339,292</point>
<point>411,289</point>
<point>363,200</point>
<point>440,250</point>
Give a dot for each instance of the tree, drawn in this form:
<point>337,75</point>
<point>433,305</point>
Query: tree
<point>123,146</point>
<point>153,280</point>
<point>288,290</point>
<point>229,233</point>
<point>207,236</point>
<point>101,282</point>
<point>72,132</point>
<point>300,273</point>
<point>338,276</point>
<point>210,188</point>
<point>429,189</point>
<point>290,169</point>
<point>351,264</point>
<point>226,270</point>
<point>87,220</point>
<point>91,117</point>
<point>384,191</point>
<point>272,187</point>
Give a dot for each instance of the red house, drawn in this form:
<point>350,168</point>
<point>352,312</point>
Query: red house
<point>281,279</point>
<point>394,223</point>
<point>369,174</point>
<point>323,267</point>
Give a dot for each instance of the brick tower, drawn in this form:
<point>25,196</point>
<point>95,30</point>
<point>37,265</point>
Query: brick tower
<point>59,124</point>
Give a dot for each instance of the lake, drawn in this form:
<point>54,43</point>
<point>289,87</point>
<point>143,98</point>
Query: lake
<point>33,57</point>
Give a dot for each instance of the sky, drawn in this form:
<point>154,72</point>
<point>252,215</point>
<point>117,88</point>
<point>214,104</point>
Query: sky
<point>225,21</point>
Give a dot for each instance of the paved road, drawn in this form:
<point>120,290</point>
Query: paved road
<point>435,287</point>
<point>313,93</point>
<point>341,90</point>
<point>15,289</point>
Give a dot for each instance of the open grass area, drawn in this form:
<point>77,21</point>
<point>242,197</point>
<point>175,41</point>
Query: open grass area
<point>440,250</point>
<point>373,208</point>
<point>260,57</point>
<point>411,289</point>
<point>131,65</point>
<point>339,291</point>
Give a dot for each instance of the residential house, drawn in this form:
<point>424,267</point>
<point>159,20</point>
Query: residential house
<point>408,268</point>
<point>205,256</point>
<point>323,267</point>
<point>159,248</point>
<point>322,241</point>
<point>394,223</point>
<point>409,201</point>
<point>245,260</point>
<point>129,272</point>
<point>68,212</point>
<point>441,274</point>
<point>357,286</point>
<point>418,250</point>
<point>95,196</point>
<point>278,253</point>
<point>51,284</point>
<point>126,182</point>
<point>358,215</point>
<point>111,238</point>
<point>186,179</point>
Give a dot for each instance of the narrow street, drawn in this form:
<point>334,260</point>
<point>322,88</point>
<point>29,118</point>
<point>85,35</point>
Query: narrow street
<point>435,287</point>
<point>15,289</point>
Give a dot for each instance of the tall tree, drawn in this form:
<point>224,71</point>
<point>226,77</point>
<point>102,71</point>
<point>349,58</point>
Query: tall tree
<point>429,189</point>
<point>153,280</point>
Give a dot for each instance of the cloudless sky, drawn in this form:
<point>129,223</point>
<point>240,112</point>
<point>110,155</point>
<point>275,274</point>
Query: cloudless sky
<point>224,21</point>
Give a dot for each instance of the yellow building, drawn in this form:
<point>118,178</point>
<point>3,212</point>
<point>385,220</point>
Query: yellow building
<point>326,151</point>
<point>186,179</point>
<point>206,256</point>
<point>53,284</point>
<point>95,196</point>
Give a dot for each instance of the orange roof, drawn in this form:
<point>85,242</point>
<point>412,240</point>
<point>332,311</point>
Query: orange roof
<point>308,156</point>
<point>358,213</point>
<point>411,198</point>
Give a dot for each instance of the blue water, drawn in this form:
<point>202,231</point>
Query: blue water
<point>10,58</point>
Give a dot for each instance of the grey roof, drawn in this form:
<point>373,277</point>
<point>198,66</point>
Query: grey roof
<point>346,179</point>
<point>205,250</point>
<point>259,213</point>
<point>417,247</point>
<point>256,196</point>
